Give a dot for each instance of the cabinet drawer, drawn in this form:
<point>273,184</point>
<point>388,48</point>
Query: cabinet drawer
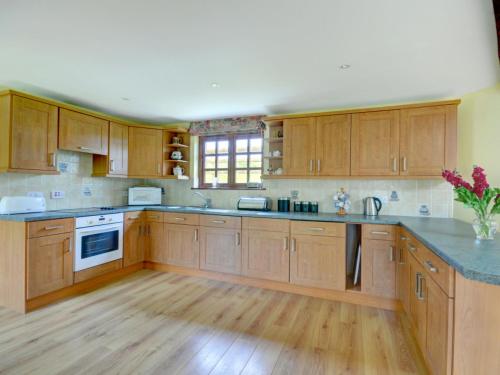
<point>155,216</point>
<point>379,232</point>
<point>317,228</point>
<point>272,225</point>
<point>216,221</point>
<point>132,217</point>
<point>178,218</point>
<point>442,273</point>
<point>50,227</point>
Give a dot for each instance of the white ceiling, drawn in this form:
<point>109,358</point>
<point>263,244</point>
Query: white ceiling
<point>269,56</point>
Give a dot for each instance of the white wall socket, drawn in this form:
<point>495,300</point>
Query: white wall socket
<point>56,194</point>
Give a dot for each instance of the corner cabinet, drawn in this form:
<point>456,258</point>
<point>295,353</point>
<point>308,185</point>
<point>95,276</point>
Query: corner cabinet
<point>82,133</point>
<point>134,238</point>
<point>145,152</point>
<point>28,135</point>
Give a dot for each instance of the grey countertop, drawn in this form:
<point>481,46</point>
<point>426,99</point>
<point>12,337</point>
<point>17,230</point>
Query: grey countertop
<point>453,240</point>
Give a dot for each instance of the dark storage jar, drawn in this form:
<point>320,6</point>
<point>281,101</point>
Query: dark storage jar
<point>297,207</point>
<point>314,207</point>
<point>284,204</point>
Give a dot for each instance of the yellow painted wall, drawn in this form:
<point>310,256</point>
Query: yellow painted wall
<point>479,139</point>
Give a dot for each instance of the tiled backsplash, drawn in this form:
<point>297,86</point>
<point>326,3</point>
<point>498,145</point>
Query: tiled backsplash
<point>437,195</point>
<point>76,179</point>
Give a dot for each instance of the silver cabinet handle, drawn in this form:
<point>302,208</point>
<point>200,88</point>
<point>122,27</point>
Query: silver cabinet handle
<point>401,261</point>
<point>149,230</point>
<point>52,159</point>
<point>238,239</point>
<point>402,238</point>
<point>430,266</point>
<point>140,230</point>
<point>154,216</point>
<point>412,248</point>
<point>196,235</point>
<point>111,165</point>
<point>311,166</point>
<point>394,164</point>
<point>317,229</point>
<point>83,148</point>
<point>180,218</point>
<point>54,227</point>
<point>418,276</point>
<point>69,245</point>
<point>293,248</point>
<point>319,165</point>
<point>285,244</point>
<point>391,253</point>
<point>133,218</point>
<point>380,233</point>
<point>405,164</point>
<point>421,295</point>
<point>219,221</point>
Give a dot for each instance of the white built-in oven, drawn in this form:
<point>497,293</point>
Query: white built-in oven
<point>98,240</point>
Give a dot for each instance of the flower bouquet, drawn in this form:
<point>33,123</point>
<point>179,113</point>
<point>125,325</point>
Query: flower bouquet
<point>483,199</point>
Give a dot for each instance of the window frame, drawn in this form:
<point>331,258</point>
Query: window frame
<point>232,138</point>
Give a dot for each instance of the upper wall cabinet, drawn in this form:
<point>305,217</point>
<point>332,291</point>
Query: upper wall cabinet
<point>115,164</point>
<point>428,140</point>
<point>82,133</point>
<point>145,157</point>
<point>299,146</point>
<point>28,135</point>
<point>375,143</point>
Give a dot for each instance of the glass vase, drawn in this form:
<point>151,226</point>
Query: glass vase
<point>484,227</point>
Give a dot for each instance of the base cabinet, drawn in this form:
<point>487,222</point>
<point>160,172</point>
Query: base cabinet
<point>220,250</point>
<point>403,272</point>
<point>182,245</point>
<point>156,251</point>
<point>49,264</point>
<point>378,268</point>
<point>134,238</point>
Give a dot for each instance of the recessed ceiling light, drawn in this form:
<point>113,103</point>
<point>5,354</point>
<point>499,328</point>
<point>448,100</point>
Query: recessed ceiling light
<point>215,85</point>
<point>344,66</point>
<point>125,99</point>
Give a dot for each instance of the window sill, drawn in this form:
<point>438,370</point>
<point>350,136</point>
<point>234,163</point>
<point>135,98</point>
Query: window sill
<point>228,188</point>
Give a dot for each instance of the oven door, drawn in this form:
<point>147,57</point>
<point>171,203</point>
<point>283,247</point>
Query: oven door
<point>98,245</point>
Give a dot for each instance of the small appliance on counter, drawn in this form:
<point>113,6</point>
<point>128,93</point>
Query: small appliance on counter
<point>255,203</point>
<point>371,206</point>
<point>22,205</point>
<point>144,196</point>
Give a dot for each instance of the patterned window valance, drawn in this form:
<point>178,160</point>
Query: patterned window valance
<point>235,125</point>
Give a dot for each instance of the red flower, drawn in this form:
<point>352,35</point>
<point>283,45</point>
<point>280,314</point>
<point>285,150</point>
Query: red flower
<point>480,183</point>
<point>454,178</point>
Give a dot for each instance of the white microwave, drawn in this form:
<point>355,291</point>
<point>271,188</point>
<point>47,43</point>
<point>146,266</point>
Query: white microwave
<point>144,196</point>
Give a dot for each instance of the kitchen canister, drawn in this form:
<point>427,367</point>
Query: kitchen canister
<point>284,204</point>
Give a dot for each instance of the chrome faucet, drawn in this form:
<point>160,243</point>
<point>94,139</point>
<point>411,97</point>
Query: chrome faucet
<point>208,201</point>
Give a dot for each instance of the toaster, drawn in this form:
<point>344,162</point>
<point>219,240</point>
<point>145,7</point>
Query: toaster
<point>255,203</point>
<point>22,205</point>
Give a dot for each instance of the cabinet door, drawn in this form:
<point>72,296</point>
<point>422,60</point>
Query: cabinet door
<point>50,264</point>
<point>155,243</point>
<point>403,274</point>
<point>418,303</point>
<point>182,245</point>
<point>118,149</point>
<point>378,268</point>
<point>298,146</point>
<point>318,261</point>
<point>375,143</point>
<point>428,140</point>
<point>134,241</point>
<point>82,133</point>
<point>439,328</point>
<point>220,250</point>
<point>145,152</point>
<point>34,135</point>
<point>266,255</point>
<point>333,145</point>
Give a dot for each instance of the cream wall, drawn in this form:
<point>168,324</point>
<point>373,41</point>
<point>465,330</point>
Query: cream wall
<point>479,138</point>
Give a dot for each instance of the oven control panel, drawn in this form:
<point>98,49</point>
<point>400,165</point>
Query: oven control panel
<point>92,221</point>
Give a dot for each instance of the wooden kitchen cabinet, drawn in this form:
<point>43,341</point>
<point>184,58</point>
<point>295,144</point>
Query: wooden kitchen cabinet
<point>49,264</point>
<point>428,140</point>
<point>83,133</point>
<point>266,249</point>
<point>134,242</point>
<point>299,146</point>
<point>156,249</point>
<point>403,271</point>
<point>378,268</point>
<point>317,260</point>
<point>182,245</point>
<point>220,250</point>
<point>333,145</point>
<point>116,162</point>
<point>418,304</point>
<point>375,143</point>
<point>145,152</point>
<point>28,135</point>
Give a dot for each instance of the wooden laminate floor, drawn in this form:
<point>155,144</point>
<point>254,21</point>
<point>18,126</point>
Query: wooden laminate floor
<point>158,323</point>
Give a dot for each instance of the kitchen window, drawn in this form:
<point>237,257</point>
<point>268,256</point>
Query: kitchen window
<point>235,160</point>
